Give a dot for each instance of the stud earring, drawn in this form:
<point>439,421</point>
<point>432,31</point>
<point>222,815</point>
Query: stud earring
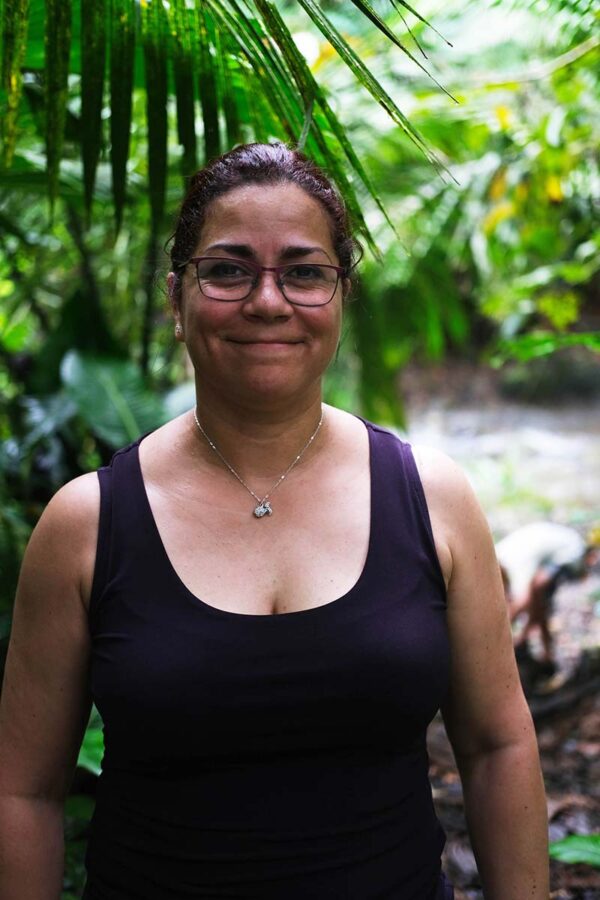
<point>178,330</point>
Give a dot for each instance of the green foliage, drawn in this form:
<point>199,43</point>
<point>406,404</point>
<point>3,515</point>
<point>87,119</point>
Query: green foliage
<point>91,752</point>
<point>190,51</point>
<point>111,398</point>
<point>14,35</point>
<point>578,848</point>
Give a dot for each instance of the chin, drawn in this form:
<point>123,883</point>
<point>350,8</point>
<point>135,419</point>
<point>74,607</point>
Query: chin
<point>272,386</point>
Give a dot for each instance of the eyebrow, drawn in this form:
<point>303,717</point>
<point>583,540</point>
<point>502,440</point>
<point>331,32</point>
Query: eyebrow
<point>246,252</point>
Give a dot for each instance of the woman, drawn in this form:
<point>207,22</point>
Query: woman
<point>268,601</point>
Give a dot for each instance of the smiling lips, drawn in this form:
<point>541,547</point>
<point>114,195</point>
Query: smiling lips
<point>258,341</point>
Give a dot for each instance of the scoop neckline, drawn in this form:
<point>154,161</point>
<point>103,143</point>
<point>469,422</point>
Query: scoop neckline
<point>217,611</point>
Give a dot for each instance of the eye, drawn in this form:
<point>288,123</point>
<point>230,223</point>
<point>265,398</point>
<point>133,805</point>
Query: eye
<point>222,268</point>
<point>305,272</point>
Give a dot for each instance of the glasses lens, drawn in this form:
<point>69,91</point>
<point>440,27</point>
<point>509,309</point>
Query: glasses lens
<point>309,284</point>
<point>224,279</point>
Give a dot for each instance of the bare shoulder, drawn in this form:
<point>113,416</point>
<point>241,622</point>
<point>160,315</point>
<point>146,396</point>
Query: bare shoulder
<point>458,522</point>
<point>441,476</point>
<point>63,543</point>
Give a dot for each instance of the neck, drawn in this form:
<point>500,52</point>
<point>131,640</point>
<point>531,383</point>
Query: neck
<point>258,444</point>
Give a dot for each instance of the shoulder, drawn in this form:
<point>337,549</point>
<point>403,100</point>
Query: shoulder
<point>445,483</point>
<point>74,505</point>
<point>459,524</point>
<point>63,544</point>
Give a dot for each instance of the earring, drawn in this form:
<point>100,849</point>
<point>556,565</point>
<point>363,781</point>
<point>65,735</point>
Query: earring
<point>178,330</point>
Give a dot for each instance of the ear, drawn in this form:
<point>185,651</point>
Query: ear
<point>346,288</point>
<point>174,301</point>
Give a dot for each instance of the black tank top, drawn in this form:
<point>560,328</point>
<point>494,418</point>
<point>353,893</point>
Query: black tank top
<point>269,757</point>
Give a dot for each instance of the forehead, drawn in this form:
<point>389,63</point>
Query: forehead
<point>266,216</point>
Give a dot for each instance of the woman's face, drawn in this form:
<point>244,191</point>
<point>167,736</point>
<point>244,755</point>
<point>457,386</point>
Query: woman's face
<point>261,349</point>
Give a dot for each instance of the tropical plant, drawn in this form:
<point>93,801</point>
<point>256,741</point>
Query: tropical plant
<point>236,57</point>
<point>505,253</point>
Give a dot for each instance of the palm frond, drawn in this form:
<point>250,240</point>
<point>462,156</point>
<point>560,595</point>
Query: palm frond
<point>58,47</point>
<point>14,35</point>
<point>93,54</point>
<point>366,78</point>
<point>182,22</point>
<point>208,83</point>
<point>154,33</point>
<point>122,49</point>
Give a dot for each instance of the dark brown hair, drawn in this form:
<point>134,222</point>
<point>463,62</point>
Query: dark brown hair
<point>274,163</point>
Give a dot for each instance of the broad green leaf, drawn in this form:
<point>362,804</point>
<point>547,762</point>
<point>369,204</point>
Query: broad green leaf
<point>577,848</point>
<point>112,397</point>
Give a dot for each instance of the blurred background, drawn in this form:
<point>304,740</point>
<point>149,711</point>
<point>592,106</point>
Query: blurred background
<point>467,149</point>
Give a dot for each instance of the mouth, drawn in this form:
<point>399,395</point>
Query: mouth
<point>264,343</point>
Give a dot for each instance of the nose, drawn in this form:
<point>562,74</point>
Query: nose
<point>266,300</point>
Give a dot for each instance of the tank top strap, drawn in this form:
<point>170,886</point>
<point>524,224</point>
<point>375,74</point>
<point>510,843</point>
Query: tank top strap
<point>123,525</point>
<point>400,522</point>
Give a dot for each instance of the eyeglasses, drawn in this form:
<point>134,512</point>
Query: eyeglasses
<point>228,280</point>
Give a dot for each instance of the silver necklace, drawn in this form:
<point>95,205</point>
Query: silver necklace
<point>264,506</point>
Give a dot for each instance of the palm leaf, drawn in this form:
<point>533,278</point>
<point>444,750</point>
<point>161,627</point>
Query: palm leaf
<point>122,48</point>
<point>14,39</point>
<point>273,103</point>
<point>208,85</point>
<point>370,13</point>
<point>401,3</point>
<point>182,21</point>
<point>231,88</point>
<point>58,46</point>
<point>311,91</point>
<point>93,53</point>
<point>154,30</point>
<point>365,77</point>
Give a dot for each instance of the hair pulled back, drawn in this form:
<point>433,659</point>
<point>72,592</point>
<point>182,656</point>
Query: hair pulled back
<point>256,163</point>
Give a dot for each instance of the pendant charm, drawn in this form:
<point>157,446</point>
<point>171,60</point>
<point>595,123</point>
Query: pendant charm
<point>263,509</point>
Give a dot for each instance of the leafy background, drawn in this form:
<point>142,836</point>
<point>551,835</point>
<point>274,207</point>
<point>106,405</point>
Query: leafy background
<point>469,163</point>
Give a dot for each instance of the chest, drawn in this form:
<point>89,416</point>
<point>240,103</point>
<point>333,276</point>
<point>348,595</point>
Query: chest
<point>308,553</point>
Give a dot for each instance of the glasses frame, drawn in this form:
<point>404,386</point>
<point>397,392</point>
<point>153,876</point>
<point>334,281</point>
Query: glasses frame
<point>258,270</point>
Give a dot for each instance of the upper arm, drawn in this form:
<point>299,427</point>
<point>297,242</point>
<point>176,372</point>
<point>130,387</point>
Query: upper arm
<point>45,697</point>
<point>485,707</point>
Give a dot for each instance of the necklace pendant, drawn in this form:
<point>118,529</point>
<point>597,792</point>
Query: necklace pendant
<point>263,509</point>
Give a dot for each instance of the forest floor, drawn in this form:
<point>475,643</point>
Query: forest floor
<point>527,462</point>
